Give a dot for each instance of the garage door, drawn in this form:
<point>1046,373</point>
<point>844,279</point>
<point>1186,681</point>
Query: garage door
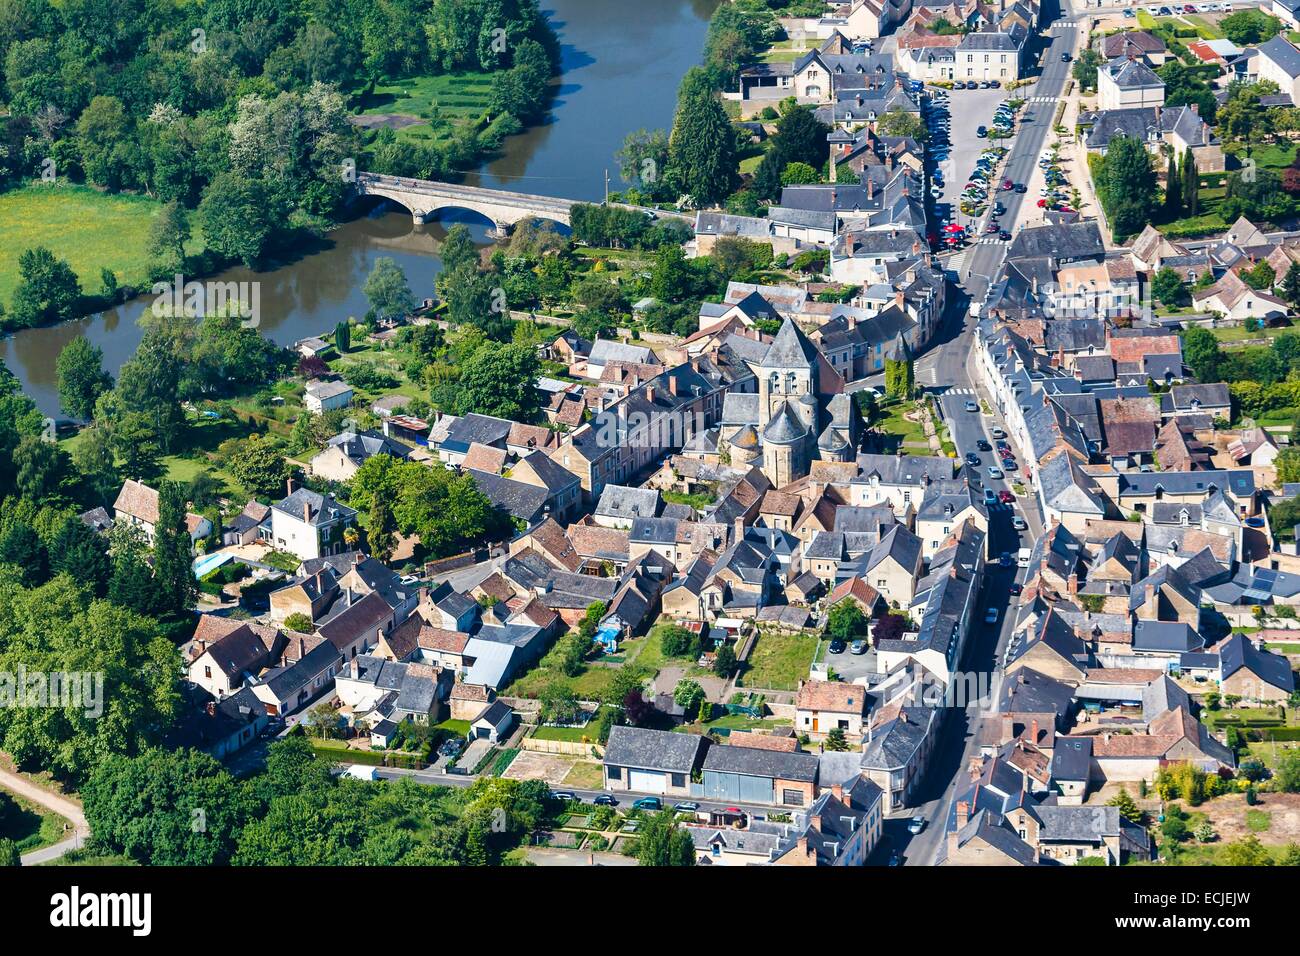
<point>647,782</point>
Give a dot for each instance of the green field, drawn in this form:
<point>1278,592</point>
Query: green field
<point>779,661</point>
<point>30,826</point>
<point>440,103</point>
<point>92,230</point>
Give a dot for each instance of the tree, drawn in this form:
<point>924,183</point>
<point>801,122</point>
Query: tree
<point>801,138</point>
<point>380,527</point>
<point>836,742</point>
<point>643,161</point>
<point>1287,464</point>
<point>1290,287</point>
<point>47,289</point>
<point>796,174</point>
<point>1287,774</point>
<point>81,377</point>
<point>1128,808</point>
<point>343,337</point>
<point>58,628</point>
<point>677,641</point>
<point>173,572</point>
<point>149,386</point>
<point>501,381</point>
<point>457,249</point>
<point>146,807</point>
<point>40,468</point>
<point>1126,184</point>
<point>1249,27</point>
<point>387,291</point>
<point>898,122</point>
<point>1173,189</point>
<point>1203,355</point>
<point>9,855</point>
<point>846,621</point>
<point>689,695</point>
<point>239,217</point>
<point>299,622</point>
<point>661,842</point>
<point>702,145</point>
<point>1085,69</point>
<point>257,463</point>
<point>80,552</point>
<point>1247,851</point>
<point>168,233</point>
<point>1191,189</point>
<point>1167,286</point>
<point>724,662</point>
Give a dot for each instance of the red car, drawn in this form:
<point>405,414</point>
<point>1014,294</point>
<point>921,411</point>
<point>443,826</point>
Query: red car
<point>1042,204</point>
<point>1007,185</point>
<point>991,227</point>
<point>1006,497</point>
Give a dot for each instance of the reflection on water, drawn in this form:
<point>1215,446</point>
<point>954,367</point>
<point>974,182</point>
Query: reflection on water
<point>622,63</point>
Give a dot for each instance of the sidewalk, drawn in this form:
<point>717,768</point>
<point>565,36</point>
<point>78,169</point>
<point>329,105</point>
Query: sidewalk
<point>63,806</point>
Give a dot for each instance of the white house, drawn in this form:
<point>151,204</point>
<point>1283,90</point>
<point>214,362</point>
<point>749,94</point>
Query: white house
<point>327,396</point>
<point>310,525</point>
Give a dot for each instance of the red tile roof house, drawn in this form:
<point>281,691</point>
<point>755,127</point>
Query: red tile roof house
<point>137,504</point>
<point>823,705</point>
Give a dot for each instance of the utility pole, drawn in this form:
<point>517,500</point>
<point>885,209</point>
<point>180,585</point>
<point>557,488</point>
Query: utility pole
<point>606,186</point>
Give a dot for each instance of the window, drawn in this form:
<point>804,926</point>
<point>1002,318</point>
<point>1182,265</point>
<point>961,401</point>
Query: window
<point>207,671</point>
<point>679,780</point>
<point>614,773</point>
<point>792,798</point>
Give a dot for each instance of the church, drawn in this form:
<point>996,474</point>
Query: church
<point>785,427</point>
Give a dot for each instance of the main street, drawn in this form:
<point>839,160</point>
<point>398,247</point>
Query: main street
<point>948,371</point>
<point>980,262</point>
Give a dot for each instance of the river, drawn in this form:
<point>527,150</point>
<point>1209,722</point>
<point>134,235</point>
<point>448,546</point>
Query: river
<point>622,61</point>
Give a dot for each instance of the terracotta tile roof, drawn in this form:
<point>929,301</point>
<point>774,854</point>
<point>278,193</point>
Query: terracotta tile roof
<point>778,503</point>
<point>746,738</point>
<point>1115,411</point>
<point>137,500</point>
<point>1129,745</point>
<point>550,536</point>
<point>462,691</point>
<point>440,639</point>
<point>485,458</point>
<point>593,540</point>
<point>541,437</point>
<point>1131,348</point>
<point>1122,675</point>
<point>534,611</point>
<point>832,697</point>
<point>855,587</point>
<point>496,587</point>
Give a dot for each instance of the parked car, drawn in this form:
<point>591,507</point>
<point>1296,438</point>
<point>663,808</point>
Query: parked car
<point>1019,523</point>
<point>1006,497</point>
<point>858,647</point>
<point>991,615</point>
<point>989,497</point>
<point>687,807</point>
<point>1016,587</point>
<point>972,407</point>
<point>972,459</point>
<point>1004,236</point>
<point>916,825</point>
<point>998,432</point>
<point>983,445</point>
<point>605,800</point>
<point>647,803</point>
<point>837,646</point>
<point>1065,58</point>
<point>563,796</point>
<point>995,473</point>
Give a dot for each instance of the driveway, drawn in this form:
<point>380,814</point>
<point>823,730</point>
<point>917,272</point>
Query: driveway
<point>64,807</point>
<point>849,667</point>
<point>474,753</point>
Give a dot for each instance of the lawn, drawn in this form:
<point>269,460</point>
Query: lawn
<point>586,776</point>
<point>577,735</point>
<point>1229,334</point>
<point>430,108</point>
<point>29,825</point>
<point>90,229</point>
<point>779,661</point>
<point>891,421</point>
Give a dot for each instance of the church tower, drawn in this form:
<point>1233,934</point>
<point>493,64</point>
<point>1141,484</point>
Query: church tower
<point>787,405</point>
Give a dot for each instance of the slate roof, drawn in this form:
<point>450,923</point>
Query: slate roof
<point>760,762</point>
<point>1238,652</point>
<point>653,749</point>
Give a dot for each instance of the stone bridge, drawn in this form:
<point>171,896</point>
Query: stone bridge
<point>423,198</point>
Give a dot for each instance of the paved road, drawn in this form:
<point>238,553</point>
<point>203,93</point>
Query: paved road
<point>981,262</point>
<point>50,801</point>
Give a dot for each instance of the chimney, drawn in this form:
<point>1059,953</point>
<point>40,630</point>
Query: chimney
<point>1074,582</point>
<point>963,813</point>
<point>740,528</point>
<point>354,668</point>
<point>899,298</point>
<point>1033,730</point>
<point>288,487</point>
<point>1195,108</point>
<point>306,512</point>
<point>871,187</point>
<point>211,708</point>
<point>650,394</point>
<point>672,381</point>
<point>851,320</point>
